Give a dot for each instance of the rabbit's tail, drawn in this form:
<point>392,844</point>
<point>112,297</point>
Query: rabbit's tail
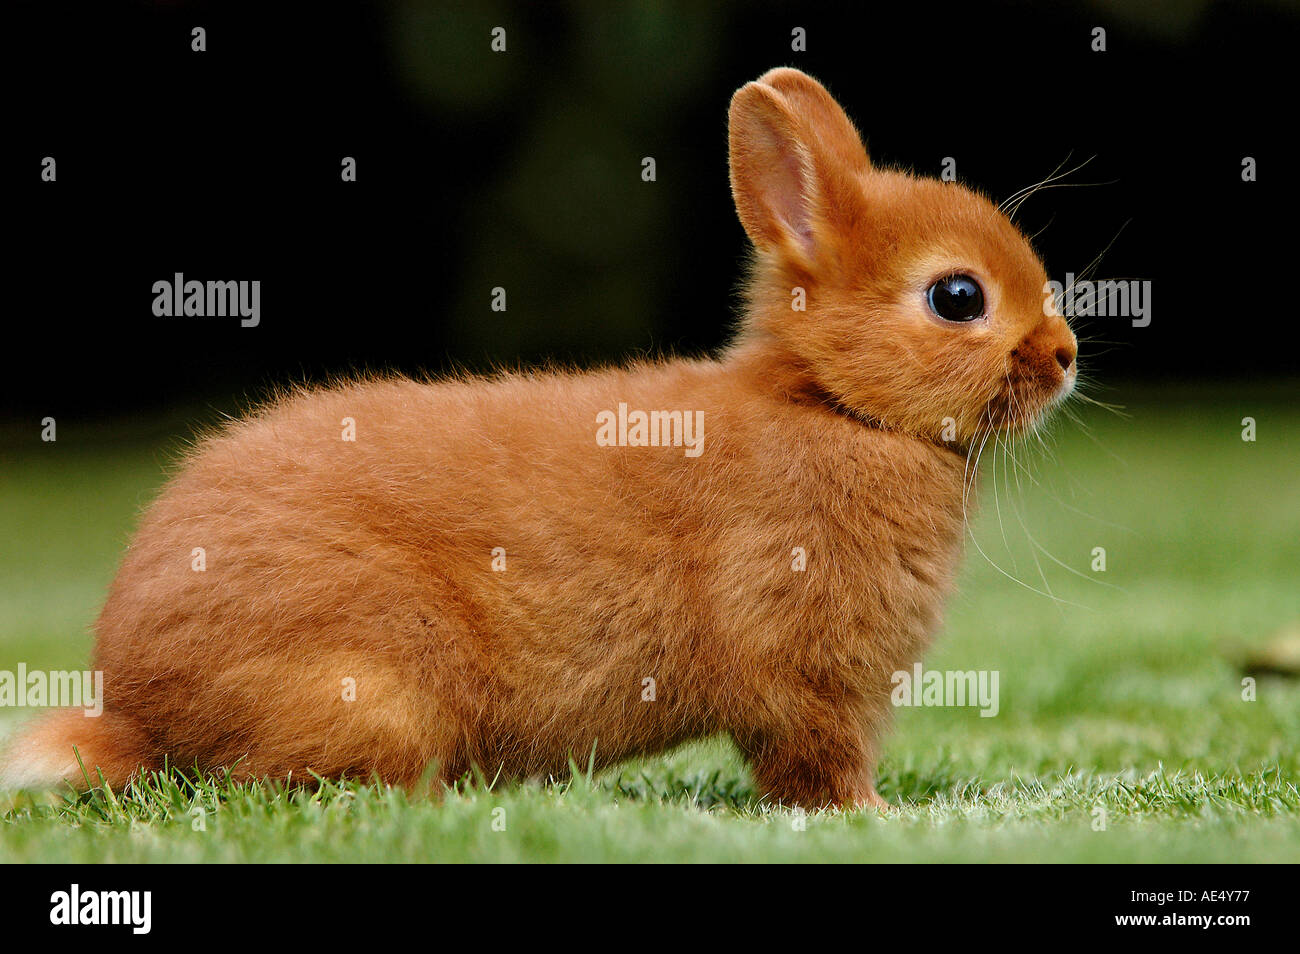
<point>53,750</point>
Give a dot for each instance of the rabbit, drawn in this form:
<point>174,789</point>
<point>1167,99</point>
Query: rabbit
<point>508,572</point>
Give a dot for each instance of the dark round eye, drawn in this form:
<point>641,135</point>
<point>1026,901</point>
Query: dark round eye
<point>956,298</point>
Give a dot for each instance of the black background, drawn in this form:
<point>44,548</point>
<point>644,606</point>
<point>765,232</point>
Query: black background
<point>522,169</point>
<point>381,903</point>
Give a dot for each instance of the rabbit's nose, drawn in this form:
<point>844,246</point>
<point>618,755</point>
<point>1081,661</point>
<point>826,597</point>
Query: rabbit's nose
<point>1065,356</point>
<point>1067,349</point>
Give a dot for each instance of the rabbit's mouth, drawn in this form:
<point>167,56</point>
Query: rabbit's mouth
<point>1039,373</point>
<point>1025,399</point>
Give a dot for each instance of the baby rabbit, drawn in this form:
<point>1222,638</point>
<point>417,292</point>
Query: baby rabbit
<point>393,577</point>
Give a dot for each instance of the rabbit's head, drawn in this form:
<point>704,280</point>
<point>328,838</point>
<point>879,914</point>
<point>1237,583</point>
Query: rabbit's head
<point>906,301</point>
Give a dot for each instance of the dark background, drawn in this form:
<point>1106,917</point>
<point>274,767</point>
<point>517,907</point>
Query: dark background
<point>522,169</point>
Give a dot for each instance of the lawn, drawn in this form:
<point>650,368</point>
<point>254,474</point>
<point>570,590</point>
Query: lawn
<point>1121,697</point>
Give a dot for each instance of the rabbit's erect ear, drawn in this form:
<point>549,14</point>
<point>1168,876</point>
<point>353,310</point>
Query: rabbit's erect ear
<point>794,158</point>
<point>823,117</point>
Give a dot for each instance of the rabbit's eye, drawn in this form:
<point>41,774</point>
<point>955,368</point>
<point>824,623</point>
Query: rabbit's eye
<point>956,298</point>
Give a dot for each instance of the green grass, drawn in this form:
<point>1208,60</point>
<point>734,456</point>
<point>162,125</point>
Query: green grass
<point>1126,697</point>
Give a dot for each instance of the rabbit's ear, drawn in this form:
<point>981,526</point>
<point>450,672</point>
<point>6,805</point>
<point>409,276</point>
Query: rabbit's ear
<point>794,158</point>
<point>821,115</point>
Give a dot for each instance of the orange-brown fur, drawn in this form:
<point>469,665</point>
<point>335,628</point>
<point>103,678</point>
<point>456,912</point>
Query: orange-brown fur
<point>373,560</point>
